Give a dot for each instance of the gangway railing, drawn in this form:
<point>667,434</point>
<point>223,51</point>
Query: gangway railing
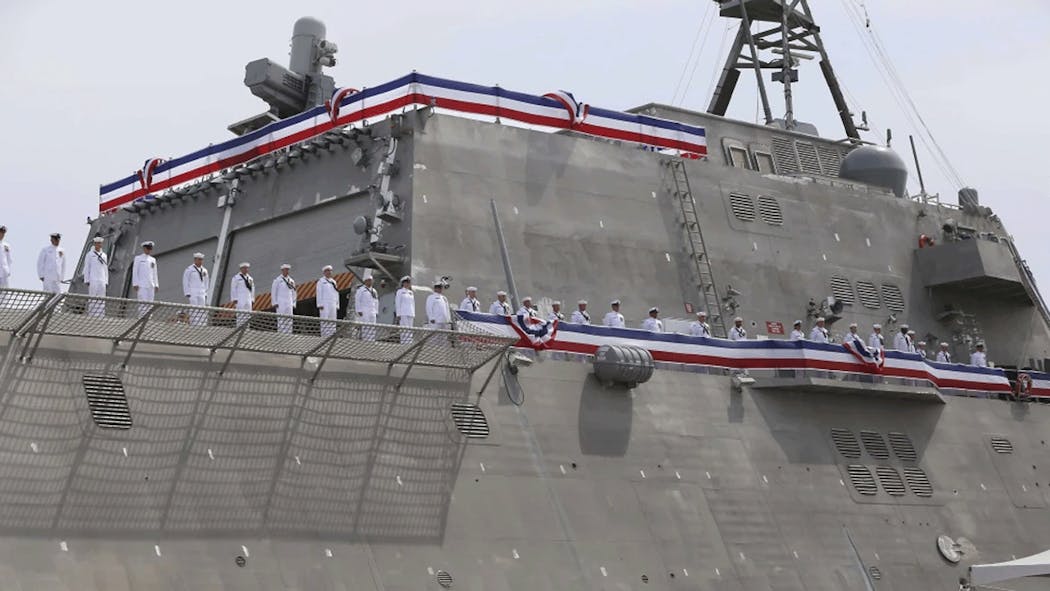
<point>31,315</point>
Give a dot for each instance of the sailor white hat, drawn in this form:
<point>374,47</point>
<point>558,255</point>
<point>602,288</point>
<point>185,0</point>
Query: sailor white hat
<point>943,344</point>
<point>555,303</point>
<point>820,319</point>
<point>501,293</point>
<point>326,268</point>
<point>876,325</point>
<point>3,228</point>
<point>614,303</point>
<point>921,343</point>
<point>439,282</point>
<point>406,278</point>
<point>797,323</point>
<point>654,309</point>
<point>147,244</point>
<point>366,275</point>
<point>526,299</point>
<point>56,235</point>
<point>472,288</point>
<point>244,264</point>
<point>581,303</point>
<point>911,332</point>
<point>702,313</point>
<point>904,327</point>
<point>853,325</point>
<point>97,239</point>
<point>738,319</point>
<point>286,266</point>
<point>198,255</point>
<point>979,345</point>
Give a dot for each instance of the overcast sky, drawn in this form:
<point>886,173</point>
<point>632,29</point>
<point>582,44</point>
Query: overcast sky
<point>91,89</point>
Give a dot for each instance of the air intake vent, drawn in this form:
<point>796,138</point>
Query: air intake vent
<point>869,295</point>
<point>769,209</point>
<point>743,207</point>
<point>890,480</point>
<point>875,573</point>
<point>918,482</point>
<point>846,443</point>
<point>1002,445</point>
<point>842,289</point>
<point>891,294</point>
<point>106,399</point>
<point>470,420</point>
<point>862,480</point>
<point>784,156</point>
<point>875,445</point>
<point>903,447</point>
<point>830,160</point>
<point>807,158</point>
<point>444,579</point>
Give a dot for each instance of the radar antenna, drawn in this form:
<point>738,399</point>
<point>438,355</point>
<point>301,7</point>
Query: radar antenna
<point>794,35</point>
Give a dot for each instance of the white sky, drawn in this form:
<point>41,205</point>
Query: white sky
<point>91,89</point>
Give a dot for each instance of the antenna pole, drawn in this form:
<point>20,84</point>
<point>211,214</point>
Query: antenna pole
<point>785,71</point>
<point>918,169</point>
<point>745,25</point>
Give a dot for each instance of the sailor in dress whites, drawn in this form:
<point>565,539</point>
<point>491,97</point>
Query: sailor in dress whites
<point>5,259</point>
<point>556,313</point>
<point>737,332</point>
<point>242,292</point>
<point>366,305</point>
<point>901,342</point>
<point>653,322</point>
<point>943,356</point>
<point>501,306</point>
<point>580,314</point>
<point>526,308</point>
<point>920,348</point>
<point>96,275</point>
<point>853,335</point>
<point>700,328</point>
<point>978,358</point>
<point>819,334</point>
<point>405,308</point>
<point>284,296</point>
<point>876,340</point>
<point>327,299</point>
<point>471,302</point>
<point>144,277</point>
<point>613,318</point>
<point>195,282</point>
<point>796,332</point>
<point>51,265</point>
<point>438,314</point>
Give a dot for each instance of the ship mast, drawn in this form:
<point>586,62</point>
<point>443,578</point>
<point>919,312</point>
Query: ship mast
<point>792,34</point>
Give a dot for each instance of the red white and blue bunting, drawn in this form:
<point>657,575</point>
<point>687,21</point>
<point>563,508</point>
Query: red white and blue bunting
<point>757,355</point>
<point>556,110</point>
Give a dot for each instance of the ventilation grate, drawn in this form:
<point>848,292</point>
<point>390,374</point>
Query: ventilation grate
<point>846,443</point>
<point>1002,445</point>
<point>769,209</point>
<point>868,295</point>
<point>444,579</point>
<point>903,447</point>
<point>890,480</point>
<point>807,158</point>
<point>106,399</point>
<point>875,573</point>
<point>918,482</point>
<point>830,160</point>
<point>743,207</point>
<point>891,294</point>
<point>784,156</point>
<point>842,289</point>
<point>862,480</point>
<point>875,445</point>
<point>470,420</point>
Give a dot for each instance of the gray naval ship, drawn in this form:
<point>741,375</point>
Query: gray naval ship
<point>164,446</point>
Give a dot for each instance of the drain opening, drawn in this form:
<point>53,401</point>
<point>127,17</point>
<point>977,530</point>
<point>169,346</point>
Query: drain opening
<point>846,443</point>
<point>107,401</point>
<point>470,420</point>
<point>875,445</point>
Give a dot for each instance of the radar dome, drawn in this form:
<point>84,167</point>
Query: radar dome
<point>876,165</point>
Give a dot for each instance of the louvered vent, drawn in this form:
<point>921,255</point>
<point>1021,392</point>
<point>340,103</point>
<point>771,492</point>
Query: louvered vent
<point>830,160</point>
<point>890,480</point>
<point>470,420</point>
<point>444,579</point>
<point>875,445</point>
<point>769,209</point>
<point>868,295</point>
<point>862,480</point>
<point>876,574</point>
<point>1002,445</point>
<point>107,402</point>
<point>891,294</point>
<point>846,443</point>
<point>903,447</point>
<point>842,289</point>
<point>784,156</point>
<point>743,207</point>
<point>918,482</point>
<point>807,158</point>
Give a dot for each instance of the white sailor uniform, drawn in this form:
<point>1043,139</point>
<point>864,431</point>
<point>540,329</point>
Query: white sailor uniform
<point>944,357</point>
<point>438,315</point>
<point>797,335</point>
<point>242,292</point>
<point>614,320</point>
<point>737,333</point>
<point>500,308</point>
<point>978,359</point>
<point>5,264</point>
<point>470,305</point>
<point>653,324</point>
<point>405,309</point>
<point>876,341</point>
<point>366,305</point>
<point>195,286</point>
<point>144,280</point>
<point>580,317</point>
<point>818,335</point>
<point>902,342</point>
<point>283,295</point>
<point>51,267</point>
<point>96,275</point>
<point>327,304</point>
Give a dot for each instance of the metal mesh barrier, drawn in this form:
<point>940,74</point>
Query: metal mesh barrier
<point>130,321</point>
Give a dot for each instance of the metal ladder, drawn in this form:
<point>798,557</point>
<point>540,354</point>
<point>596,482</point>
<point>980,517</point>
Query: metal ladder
<point>705,281</point>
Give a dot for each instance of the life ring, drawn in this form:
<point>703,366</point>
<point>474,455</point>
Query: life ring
<point>925,241</point>
<point>1024,385</point>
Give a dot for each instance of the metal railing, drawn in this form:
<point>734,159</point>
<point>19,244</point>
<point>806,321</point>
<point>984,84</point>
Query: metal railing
<point>34,314</point>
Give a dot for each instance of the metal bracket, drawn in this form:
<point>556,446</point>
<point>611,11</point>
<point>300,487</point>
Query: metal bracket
<point>418,347</point>
<point>239,333</point>
<point>141,324</point>
<point>45,315</point>
<point>495,367</point>
<point>33,318</point>
<point>330,342</point>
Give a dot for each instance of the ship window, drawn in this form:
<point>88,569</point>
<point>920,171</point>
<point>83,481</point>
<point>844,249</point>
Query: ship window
<point>764,160</point>
<point>868,295</point>
<point>891,294</point>
<point>769,209</point>
<point>842,289</point>
<point>738,158</point>
<point>743,207</point>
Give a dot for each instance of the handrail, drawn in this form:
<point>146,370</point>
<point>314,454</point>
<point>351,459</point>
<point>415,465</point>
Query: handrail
<point>1028,281</point>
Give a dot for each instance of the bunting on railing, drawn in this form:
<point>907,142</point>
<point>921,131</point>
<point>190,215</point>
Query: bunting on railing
<point>348,107</point>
